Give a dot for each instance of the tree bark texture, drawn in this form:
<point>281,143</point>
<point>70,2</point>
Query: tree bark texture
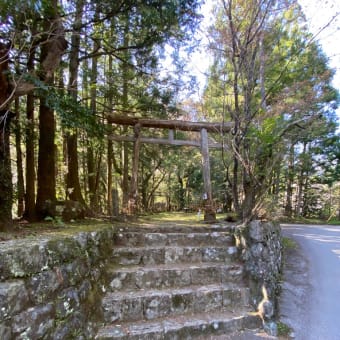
<point>45,204</point>
<point>109,191</point>
<point>72,179</point>
<point>30,155</point>
<point>73,184</point>
<point>5,173</point>
<point>50,55</point>
<point>20,172</point>
<point>289,182</point>
<point>5,160</point>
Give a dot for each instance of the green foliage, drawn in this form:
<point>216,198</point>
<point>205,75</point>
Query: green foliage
<point>56,221</point>
<point>73,115</point>
<point>275,86</point>
<point>328,159</point>
<point>283,329</point>
<point>288,243</point>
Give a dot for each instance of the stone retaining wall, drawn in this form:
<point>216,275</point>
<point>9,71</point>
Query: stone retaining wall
<point>51,288</point>
<point>260,245</point>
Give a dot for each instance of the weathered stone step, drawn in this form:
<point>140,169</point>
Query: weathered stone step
<point>138,239</point>
<point>171,275</point>
<point>176,228</point>
<point>164,255</point>
<point>182,328</point>
<point>153,304</point>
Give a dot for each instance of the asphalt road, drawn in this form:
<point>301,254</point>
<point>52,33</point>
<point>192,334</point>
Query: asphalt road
<point>310,299</point>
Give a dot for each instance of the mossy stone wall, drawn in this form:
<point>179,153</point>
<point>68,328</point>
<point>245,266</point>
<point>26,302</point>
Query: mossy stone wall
<point>51,288</point>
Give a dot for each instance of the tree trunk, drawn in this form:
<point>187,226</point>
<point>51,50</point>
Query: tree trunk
<point>249,201</point>
<point>109,192</point>
<point>72,178</point>
<point>20,173</point>
<point>125,94</point>
<point>30,214</point>
<point>144,191</point>
<point>52,48</point>
<point>289,182</point>
<point>45,205</point>
<point>301,180</point>
<point>234,190</point>
<point>5,158</point>
<point>109,206</point>
<point>30,175</point>
<point>181,192</point>
<point>5,173</point>
<point>91,176</point>
<point>90,151</point>
<point>72,181</point>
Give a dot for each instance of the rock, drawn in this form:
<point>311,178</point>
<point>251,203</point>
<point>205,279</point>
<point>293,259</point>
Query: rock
<point>73,210</point>
<point>270,328</point>
<point>13,299</point>
<point>5,332</point>
<point>34,323</point>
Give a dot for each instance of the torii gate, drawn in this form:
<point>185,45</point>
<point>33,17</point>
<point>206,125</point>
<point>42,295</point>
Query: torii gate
<point>171,125</point>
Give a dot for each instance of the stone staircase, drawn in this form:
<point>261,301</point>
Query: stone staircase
<point>175,283</point>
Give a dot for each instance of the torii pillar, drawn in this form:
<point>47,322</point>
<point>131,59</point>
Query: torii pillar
<point>209,212</point>
<point>133,196</point>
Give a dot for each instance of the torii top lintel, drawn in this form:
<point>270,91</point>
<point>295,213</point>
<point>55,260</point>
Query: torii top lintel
<point>172,124</point>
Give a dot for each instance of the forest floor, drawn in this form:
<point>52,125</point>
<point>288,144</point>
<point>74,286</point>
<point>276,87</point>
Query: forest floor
<point>23,229</point>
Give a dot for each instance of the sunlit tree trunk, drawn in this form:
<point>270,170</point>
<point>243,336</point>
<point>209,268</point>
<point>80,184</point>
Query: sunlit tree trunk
<point>289,182</point>
<point>109,205</point>
<point>92,166</point>
<point>125,91</point>
<point>72,179</point>
<point>300,182</point>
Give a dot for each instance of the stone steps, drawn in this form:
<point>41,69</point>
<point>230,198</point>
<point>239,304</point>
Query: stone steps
<point>174,283</point>
<point>153,304</point>
<point>173,275</point>
<point>182,328</point>
<point>176,228</point>
<point>165,255</point>
<point>138,239</point>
